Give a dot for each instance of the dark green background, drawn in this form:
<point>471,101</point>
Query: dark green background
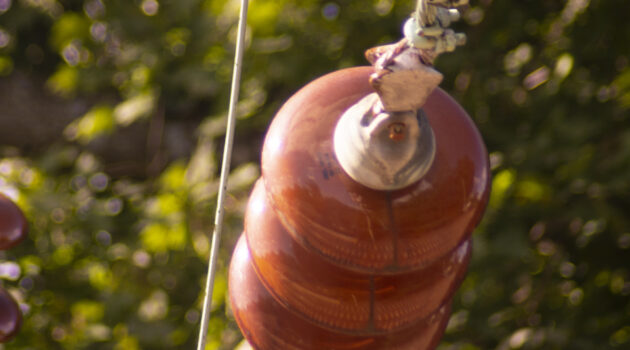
<point>112,116</point>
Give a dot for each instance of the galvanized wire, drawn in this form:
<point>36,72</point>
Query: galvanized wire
<point>428,27</point>
<point>225,171</point>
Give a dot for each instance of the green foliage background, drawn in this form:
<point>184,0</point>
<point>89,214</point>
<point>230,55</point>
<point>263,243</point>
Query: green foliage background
<point>118,243</point>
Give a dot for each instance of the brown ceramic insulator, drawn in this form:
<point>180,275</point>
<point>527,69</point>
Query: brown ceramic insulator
<point>338,298</point>
<point>327,263</point>
<point>268,325</point>
<point>10,316</point>
<point>356,227</point>
<point>13,226</point>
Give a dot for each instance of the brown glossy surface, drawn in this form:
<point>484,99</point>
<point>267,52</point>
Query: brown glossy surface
<point>359,228</point>
<point>10,316</point>
<point>267,325</point>
<point>13,229</point>
<point>13,226</point>
<point>339,298</point>
<point>327,263</point>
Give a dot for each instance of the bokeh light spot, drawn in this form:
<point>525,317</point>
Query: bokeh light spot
<point>150,7</point>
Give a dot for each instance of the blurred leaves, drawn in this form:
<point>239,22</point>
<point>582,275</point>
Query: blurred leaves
<point>98,121</point>
<point>134,108</point>
<point>69,27</point>
<point>6,65</point>
<point>64,82</point>
<point>116,259</point>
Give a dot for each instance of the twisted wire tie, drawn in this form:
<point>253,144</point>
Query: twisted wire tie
<point>428,28</point>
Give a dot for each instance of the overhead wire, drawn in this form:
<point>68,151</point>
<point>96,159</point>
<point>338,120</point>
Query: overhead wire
<point>225,171</point>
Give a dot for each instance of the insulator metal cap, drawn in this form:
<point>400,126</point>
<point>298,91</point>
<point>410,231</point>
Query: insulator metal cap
<point>383,150</point>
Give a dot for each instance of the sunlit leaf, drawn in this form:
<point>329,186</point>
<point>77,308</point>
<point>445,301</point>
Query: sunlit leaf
<point>243,176</point>
<point>220,290</point>
<point>168,204</point>
<point>532,190</point>
<point>141,77</point>
<point>100,276</point>
<point>515,59</point>
<point>201,167</point>
<point>263,15</point>
<point>622,82</point>
<point>620,337</point>
<point>155,307</point>
<point>160,237</point>
<point>87,311</point>
<point>6,65</point>
<point>135,108</point>
<point>564,65</point>
<point>177,236</point>
<point>155,237</point>
<point>215,328</point>
<point>215,7</point>
<point>128,343</point>
<point>68,27</point>
<point>98,121</point>
<point>501,183</point>
<point>65,81</point>
<point>176,40</point>
<point>63,255</point>
<point>174,177</point>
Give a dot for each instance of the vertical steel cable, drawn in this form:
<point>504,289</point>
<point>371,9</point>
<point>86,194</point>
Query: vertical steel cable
<point>225,171</point>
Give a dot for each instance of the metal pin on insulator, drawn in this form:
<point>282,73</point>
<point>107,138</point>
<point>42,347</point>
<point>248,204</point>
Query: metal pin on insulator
<point>385,141</point>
